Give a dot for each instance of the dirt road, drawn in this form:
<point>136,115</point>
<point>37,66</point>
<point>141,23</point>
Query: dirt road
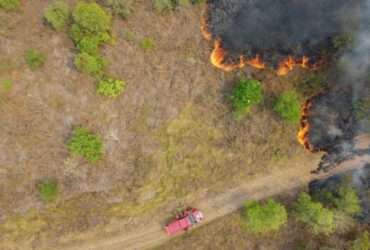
<point>152,235</point>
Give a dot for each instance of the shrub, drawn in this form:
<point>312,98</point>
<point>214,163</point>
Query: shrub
<point>362,243</point>
<point>288,106</point>
<point>48,190</point>
<point>162,5</point>
<point>122,8</point>
<point>311,86</point>
<point>57,14</point>
<point>343,198</point>
<point>147,44</point>
<point>86,144</point>
<point>110,87</point>
<point>9,4</point>
<point>89,45</point>
<point>34,59</point>
<point>90,64</point>
<point>6,85</point>
<point>246,94</point>
<point>320,219</point>
<point>91,18</point>
<point>77,34</point>
<point>362,109</point>
<point>259,218</point>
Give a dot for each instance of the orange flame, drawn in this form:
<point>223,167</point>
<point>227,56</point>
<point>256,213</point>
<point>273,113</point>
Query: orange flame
<point>289,63</point>
<point>303,134</point>
<point>256,62</point>
<point>218,59</point>
<point>204,27</point>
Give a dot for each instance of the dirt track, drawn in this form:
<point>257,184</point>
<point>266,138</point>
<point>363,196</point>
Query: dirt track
<point>152,235</point>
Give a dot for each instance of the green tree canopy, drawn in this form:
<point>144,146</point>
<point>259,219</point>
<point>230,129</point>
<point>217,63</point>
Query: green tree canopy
<point>261,218</point>
<point>320,219</point>
<point>362,243</point>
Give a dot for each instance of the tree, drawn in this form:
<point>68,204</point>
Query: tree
<point>90,64</point>
<point>91,18</point>
<point>320,219</point>
<point>263,218</point>
<point>57,14</point>
<point>341,197</point>
<point>362,243</point>
<point>288,106</point>
<point>9,4</point>
<point>246,94</point>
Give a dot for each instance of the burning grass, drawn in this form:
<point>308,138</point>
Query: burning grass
<point>254,33</point>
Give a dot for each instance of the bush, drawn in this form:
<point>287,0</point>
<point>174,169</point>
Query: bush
<point>259,218</point>
<point>77,34</point>
<point>362,243</point>
<point>57,14</point>
<point>48,190</point>
<point>288,106</point>
<point>362,109</point>
<point>246,94</point>
<point>147,44</point>
<point>91,18</point>
<point>122,8</point>
<point>90,64</point>
<point>311,86</point>
<point>9,4</point>
<point>6,85</point>
<point>34,59</point>
<point>89,45</point>
<point>110,87</point>
<point>86,144</point>
<point>162,5</point>
<point>320,219</point>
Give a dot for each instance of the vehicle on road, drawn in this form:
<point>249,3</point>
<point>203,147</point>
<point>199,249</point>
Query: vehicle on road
<point>184,220</point>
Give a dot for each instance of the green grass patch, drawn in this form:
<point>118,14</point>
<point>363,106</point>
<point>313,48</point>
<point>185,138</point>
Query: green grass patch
<point>288,106</point>
<point>245,95</point>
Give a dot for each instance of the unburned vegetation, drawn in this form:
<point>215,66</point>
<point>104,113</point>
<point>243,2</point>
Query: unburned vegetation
<point>168,134</point>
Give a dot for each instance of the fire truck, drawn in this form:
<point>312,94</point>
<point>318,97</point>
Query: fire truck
<point>184,221</point>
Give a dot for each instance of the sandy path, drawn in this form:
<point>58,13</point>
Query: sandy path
<point>152,235</point>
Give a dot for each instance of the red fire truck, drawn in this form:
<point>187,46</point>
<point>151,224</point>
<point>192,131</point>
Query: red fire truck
<point>184,221</point>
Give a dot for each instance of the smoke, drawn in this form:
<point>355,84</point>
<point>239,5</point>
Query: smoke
<point>275,29</point>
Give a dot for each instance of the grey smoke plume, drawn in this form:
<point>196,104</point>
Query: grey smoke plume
<point>275,29</point>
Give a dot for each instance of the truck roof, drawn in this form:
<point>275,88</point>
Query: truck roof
<point>178,225</point>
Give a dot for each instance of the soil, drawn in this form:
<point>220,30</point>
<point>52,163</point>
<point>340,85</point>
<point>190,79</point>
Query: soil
<point>168,139</point>
<point>294,178</point>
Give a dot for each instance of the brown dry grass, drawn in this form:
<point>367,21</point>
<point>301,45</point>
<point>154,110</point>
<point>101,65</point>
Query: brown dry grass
<point>227,233</point>
<point>169,135</point>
